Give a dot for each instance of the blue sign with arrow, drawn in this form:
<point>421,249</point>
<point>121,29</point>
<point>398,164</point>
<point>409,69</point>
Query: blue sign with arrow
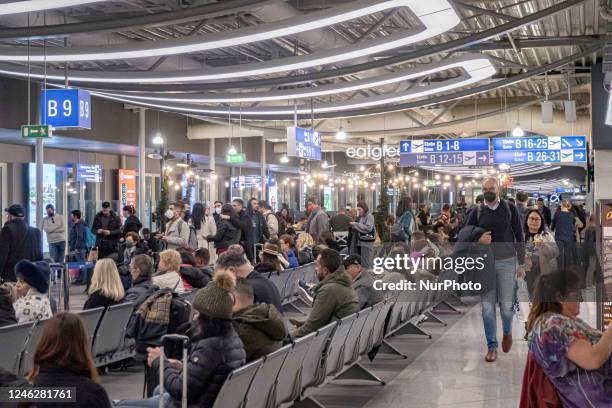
<point>444,145</point>
<point>445,159</point>
<point>554,149</point>
<point>444,152</point>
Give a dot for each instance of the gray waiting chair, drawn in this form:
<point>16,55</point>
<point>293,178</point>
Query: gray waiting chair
<point>91,319</point>
<point>14,338</point>
<point>236,385</point>
<point>260,393</point>
<point>30,348</point>
<point>351,345</point>
<point>287,384</point>
<point>110,336</point>
<point>312,373</point>
<point>336,347</point>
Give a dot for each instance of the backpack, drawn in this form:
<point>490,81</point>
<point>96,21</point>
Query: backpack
<point>281,223</point>
<point>502,202</point>
<point>193,235</point>
<point>90,238</point>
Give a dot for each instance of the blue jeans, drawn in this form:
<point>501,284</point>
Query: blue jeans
<point>152,402</point>
<point>57,251</point>
<point>503,294</point>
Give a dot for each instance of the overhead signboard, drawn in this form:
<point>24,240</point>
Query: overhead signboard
<point>248,181</point>
<point>35,131</point>
<point>567,190</point>
<point>66,108</point>
<point>554,149</point>
<point>237,158</point>
<point>89,173</point>
<point>127,188</point>
<point>303,143</point>
<point>444,152</point>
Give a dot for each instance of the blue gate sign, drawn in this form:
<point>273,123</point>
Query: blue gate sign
<point>553,149</point>
<point>444,145</point>
<point>571,190</point>
<point>539,156</point>
<point>540,143</point>
<point>65,108</point>
<point>445,159</point>
<point>303,143</point>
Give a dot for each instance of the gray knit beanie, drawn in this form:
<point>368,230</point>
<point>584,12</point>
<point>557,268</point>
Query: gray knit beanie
<point>216,299</point>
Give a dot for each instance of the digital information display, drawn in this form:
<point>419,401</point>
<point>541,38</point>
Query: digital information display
<point>65,108</point>
<point>444,152</point>
<point>303,143</point>
<point>49,194</point>
<point>89,173</point>
<point>127,189</point>
<point>554,149</point>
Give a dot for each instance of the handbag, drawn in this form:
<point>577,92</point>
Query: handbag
<point>367,236</point>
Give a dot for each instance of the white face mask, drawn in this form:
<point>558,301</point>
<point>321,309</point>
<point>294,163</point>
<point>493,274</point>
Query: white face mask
<point>218,210</point>
<point>169,214</point>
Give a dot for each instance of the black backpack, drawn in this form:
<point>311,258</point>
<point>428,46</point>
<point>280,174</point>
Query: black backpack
<point>282,226</point>
<point>180,313</point>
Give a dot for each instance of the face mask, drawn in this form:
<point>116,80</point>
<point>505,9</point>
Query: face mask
<point>169,214</point>
<point>50,213</point>
<point>490,196</point>
<point>126,215</point>
<point>218,210</point>
<point>129,244</point>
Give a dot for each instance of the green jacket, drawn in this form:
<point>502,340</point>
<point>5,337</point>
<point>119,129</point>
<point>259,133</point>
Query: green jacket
<point>334,299</point>
<point>261,329</point>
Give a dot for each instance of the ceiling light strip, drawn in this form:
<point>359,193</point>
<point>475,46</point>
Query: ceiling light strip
<point>436,16</point>
<point>475,70</point>
<point>17,7</point>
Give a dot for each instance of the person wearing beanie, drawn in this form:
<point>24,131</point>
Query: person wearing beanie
<point>32,287</point>
<point>216,349</point>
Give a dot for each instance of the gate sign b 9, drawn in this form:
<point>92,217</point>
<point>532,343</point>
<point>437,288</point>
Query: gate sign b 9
<point>66,108</point>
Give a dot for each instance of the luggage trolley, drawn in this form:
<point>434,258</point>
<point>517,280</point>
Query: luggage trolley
<point>59,287</point>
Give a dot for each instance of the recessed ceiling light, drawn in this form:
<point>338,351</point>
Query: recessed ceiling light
<point>17,7</point>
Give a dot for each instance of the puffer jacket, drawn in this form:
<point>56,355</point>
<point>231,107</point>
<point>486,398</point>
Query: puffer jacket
<point>7,313</point>
<point>261,329</point>
<point>334,299</point>
<point>210,361</point>
<point>227,234</point>
<point>196,278</point>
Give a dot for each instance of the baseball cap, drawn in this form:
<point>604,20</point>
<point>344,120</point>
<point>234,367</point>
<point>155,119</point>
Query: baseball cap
<point>351,260</point>
<point>106,204</point>
<point>16,210</point>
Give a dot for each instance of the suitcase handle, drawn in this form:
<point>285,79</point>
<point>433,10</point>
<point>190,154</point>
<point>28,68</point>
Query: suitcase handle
<point>185,342</point>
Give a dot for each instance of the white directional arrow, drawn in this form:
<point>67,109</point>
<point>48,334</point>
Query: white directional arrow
<point>579,142</point>
<point>579,155</point>
<point>405,146</point>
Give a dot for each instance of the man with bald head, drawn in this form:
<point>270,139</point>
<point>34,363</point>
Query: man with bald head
<point>503,230</point>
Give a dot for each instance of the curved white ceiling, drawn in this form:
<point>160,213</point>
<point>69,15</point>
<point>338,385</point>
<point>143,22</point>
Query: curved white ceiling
<point>437,17</point>
<point>475,70</point>
<point>17,7</point>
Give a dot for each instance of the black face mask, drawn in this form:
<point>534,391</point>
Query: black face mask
<point>490,196</point>
<point>50,214</point>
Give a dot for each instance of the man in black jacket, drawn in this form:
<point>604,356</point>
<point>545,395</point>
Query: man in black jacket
<point>504,232</point>
<point>264,290</point>
<point>249,222</point>
<point>17,241</point>
<point>131,223</point>
<point>107,227</point>
<point>544,210</point>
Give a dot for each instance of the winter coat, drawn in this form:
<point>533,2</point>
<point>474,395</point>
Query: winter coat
<point>18,241</point>
<point>131,224</point>
<point>141,289</point>
<point>243,223</point>
<point>334,298</point>
<point>340,223</point>
<point>226,234</point>
<point>89,394</point>
<point>365,224</point>
<point>77,238</point>
<point>177,234</point>
<point>364,286</point>
<point>266,269</point>
<point>33,306</point>
<point>7,312</point>
<point>264,291</point>
<point>259,230</point>
<point>55,228</point>
<point>197,278</point>
<point>293,259</point>
<point>210,361</point>
<point>261,329</point>
<point>170,280</point>
<point>272,223</point>
<point>318,223</point>
<point>207,227</point>
<point>98,299</point>
<point>107,244</point>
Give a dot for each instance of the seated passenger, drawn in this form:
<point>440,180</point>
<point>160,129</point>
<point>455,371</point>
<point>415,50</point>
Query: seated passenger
<point>216,351</point>
<point>7,312</point>
<point>264,290</point>
<point>193,277</point>
<point>32,286</point>
<point>260,327</point>
<point>141,269</point>
<point>202,257</point>
<point>304,245</point>
<point>363,282</point>
<point>63,359</point>
<point>105,289</point>
<point>288,250</point>
<point>574,356</point>
<point>334,297</point>
<point>269,260</point>
<point>133,247</point>
<point>167,275</point>
<point>328,239</point>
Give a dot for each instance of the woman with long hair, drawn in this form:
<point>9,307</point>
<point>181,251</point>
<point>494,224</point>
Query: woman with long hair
<point>62,358</point>
<point>270,260</point>
<point>204,225</point>
<point>363,235</point>
<point>541,248</point>
<point>105,288</point>
<point>574,356</point>
<point>288,250</point>
<point>405,217</point>
<point>304,246</point>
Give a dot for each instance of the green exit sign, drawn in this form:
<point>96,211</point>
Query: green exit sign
<point>35,131</point>
<point>429,183</point>
<point>235,158</point>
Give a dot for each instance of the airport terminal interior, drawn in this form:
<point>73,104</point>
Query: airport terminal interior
<point>306,203</point>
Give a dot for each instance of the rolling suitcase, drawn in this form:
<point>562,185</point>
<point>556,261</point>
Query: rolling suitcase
<point>174,344</point>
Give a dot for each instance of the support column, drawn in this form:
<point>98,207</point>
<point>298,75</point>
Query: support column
<point>40,159</point>
<point>214,183</point>
<point>142,157</point>
<point>263,168</point>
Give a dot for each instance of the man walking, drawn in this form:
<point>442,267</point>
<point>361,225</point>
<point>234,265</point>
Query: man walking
<point>55,228</point>
<point>504,232</point>
<point>107,227</point>
<point>17,241</point>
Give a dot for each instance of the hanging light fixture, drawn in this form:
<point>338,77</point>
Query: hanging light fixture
<point>284,159</point>
<point>518,131</point>
<point>341,134</point>
<point>232,150</point>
